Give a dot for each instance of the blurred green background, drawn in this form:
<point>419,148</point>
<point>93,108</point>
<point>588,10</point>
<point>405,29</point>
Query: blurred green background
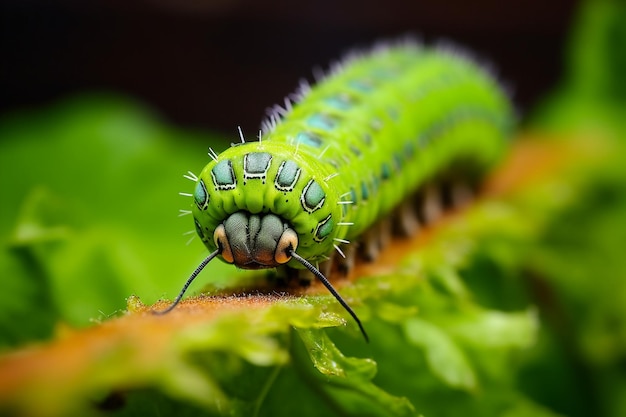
<point>106,106</point>
<point>90,212</point>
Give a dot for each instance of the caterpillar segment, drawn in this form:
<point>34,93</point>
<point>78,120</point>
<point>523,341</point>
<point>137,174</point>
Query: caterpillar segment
<point>383,144</point>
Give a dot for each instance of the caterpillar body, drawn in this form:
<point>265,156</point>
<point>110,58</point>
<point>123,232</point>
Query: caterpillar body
<point>340,157</point>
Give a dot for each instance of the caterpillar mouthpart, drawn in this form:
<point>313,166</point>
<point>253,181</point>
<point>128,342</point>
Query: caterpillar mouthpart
<point>255,241</point>
<point>259,241</point>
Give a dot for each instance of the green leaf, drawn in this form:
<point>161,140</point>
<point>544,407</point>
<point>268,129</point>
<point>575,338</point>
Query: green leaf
<point>495,329</point>
<point>347,381</point>
<point>445,358</point>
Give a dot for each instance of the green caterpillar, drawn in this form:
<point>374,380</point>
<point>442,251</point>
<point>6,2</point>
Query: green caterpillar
<point>338,158</point>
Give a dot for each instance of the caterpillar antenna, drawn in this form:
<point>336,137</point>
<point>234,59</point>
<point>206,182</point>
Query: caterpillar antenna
<point>330,288</point>
<point>193,276</point>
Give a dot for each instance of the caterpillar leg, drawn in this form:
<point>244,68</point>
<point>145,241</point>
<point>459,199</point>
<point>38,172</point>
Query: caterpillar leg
<point>291,277</point>
<point>326,266</point>
<point>302,277</point>
<point>345,265</point>
<point>375,239</point>
<point>457,192</point>
<point>405,220</point>
<point>462,194</point>
<point>384,238</point>
<point>431,207</point>
<point>282,277</point>
<point>286,276</point>
<point>370,243</point>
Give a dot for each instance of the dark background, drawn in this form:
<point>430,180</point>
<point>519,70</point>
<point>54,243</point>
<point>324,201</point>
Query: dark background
<point>220,63</point>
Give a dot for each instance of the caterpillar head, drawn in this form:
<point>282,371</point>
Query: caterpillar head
<point>264,187</point>
<point>261,202</point>
<point>255,241</point>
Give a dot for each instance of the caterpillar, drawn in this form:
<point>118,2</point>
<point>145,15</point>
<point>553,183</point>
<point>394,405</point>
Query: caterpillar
<point>379,144</point>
